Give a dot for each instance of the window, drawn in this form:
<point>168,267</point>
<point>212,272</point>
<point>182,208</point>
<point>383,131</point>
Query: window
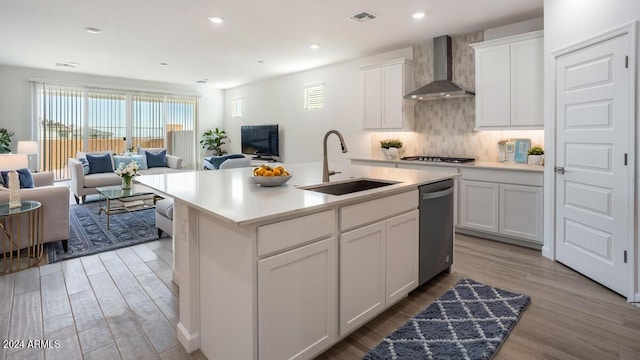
<point>314,96</point>
<point>236,107</point>
<point>75,118</point>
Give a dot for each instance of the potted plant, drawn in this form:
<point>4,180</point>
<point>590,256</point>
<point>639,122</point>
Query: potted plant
<point>391,148</point>
<point>535,156</point>
<point>213,140</point>
<point>5,141</point>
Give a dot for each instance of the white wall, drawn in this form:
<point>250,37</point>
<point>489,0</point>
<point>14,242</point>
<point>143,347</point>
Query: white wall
<point>280,101</point>
<point>567,22</point>
<point>15,96</point>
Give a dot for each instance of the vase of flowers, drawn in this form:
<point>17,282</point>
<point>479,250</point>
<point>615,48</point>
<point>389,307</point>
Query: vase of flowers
<point>127,172</point>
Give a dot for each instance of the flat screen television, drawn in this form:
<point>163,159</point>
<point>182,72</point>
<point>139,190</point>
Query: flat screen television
<point>261,141</point>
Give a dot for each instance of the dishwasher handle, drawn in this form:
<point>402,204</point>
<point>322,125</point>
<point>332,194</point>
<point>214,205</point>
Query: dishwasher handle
<point>437,194</point>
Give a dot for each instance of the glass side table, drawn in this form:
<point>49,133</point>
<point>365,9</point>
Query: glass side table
<point>22,230</point>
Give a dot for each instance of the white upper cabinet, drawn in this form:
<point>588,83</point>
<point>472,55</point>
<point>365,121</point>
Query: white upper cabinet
<point>384,86</point>
<point>509,82</point>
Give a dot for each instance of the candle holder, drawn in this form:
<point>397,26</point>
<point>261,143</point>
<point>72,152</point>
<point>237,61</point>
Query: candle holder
<point>14,190</point>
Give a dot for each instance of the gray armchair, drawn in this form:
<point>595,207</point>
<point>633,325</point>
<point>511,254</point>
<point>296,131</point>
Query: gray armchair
<point>55,207</point>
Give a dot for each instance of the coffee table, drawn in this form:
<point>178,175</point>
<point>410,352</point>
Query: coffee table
<point>119,201</point>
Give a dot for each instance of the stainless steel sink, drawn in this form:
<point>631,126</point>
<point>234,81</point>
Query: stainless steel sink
<point>348,187</point>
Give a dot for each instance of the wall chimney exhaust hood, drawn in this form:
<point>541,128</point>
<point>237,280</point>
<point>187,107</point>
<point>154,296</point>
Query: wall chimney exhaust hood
<point>442,87</point>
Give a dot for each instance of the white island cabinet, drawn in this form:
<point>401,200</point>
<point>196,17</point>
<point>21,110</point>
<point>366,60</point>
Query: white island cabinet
<point>283,272</point>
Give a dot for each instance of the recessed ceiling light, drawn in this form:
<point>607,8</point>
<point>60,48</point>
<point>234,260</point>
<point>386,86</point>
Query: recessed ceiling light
<point>260,61</point>
<point>418,15</point>
<point>164,64</point>
<point>92,30</point>
<point>314,46</point>
<point>216,20</point>
<point>203,81</point>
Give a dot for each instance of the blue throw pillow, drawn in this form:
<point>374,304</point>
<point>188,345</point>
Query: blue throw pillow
<point>156,160</point>
<point>99,164</point>
<point>85,165</point>
<point>119,159</point>
<point>24,175</point>
<point>217,160</point>
<point>141,160</point>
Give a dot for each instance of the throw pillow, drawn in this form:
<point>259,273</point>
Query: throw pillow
<point>99,164</point>
<point>141,160</point>
<point>156,160</point>
<point>217,160</point>
<point>85,165</point>
<point>119,159</point>
<point>24,175</point>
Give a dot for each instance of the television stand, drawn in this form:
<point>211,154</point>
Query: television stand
<point>265,159</point>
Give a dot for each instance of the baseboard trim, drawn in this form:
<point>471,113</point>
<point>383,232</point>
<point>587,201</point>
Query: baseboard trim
<point>546,252</point>
<point>525,243</point>
<point>190,342</point>
<point>175,278</point>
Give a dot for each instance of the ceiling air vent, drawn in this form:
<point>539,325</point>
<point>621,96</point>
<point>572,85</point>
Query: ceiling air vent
<point>70,65</point>
<point>362,17</point>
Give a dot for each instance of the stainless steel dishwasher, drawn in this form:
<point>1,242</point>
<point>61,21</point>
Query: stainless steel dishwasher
<point>436,229</point>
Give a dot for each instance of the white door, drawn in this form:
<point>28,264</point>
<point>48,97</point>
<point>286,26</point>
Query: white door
<point>594,199</point>
<point>521,211</point>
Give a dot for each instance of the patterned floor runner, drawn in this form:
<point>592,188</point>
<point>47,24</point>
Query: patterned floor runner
<point>470,321</point>
<point>89,235</point>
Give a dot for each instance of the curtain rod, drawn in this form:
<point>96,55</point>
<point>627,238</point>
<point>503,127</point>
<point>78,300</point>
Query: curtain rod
<point>108,86</point>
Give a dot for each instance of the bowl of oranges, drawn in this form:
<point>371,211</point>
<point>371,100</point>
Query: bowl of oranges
<point>266,175</point>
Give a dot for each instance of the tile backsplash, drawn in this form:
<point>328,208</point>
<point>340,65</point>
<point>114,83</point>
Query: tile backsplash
<point>446,127</point>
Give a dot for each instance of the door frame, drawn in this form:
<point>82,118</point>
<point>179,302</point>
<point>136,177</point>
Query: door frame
<point>548,249</point>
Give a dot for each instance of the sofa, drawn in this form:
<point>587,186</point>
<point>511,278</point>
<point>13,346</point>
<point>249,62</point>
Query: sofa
<point>55,209</point>
<point>83,183</point>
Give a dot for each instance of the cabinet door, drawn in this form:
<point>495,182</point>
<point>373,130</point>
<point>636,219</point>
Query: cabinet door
<point>479,205</point>
<point>402,256</point>
<point>392,96</point>
<point>521,211</point>
<point>362,275</point>
<point>527,83</point>
<point>372,99</point>
<point>493,86</point>
<point>297,290</point>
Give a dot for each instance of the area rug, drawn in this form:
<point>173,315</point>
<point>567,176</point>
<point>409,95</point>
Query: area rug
<point>470,321</point>
<point>88,232</point>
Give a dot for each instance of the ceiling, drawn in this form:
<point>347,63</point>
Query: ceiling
<point>258,39</point>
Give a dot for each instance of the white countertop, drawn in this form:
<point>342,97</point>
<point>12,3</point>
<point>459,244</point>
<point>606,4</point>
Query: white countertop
<point>477,164</point>
<point>231,196</point>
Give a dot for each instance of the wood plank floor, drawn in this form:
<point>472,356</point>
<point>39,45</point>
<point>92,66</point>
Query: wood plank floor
<point>123,305</point>
<point>570,316</point>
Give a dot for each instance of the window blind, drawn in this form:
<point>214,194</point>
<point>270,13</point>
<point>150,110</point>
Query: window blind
<point>314,96</point>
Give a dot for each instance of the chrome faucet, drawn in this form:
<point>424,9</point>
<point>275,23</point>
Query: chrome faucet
<point>325,166</point>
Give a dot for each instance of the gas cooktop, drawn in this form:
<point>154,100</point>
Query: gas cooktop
<point>429,158</point>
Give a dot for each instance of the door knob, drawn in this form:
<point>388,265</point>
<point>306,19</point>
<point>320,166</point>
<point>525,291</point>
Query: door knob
<point>559,170</point>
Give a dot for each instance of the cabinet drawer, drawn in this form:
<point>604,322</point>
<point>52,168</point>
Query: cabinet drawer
<point>367,212</point>
<point>531,178</point>
<point>290,233</point>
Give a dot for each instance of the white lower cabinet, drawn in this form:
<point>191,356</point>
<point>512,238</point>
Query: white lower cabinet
<point>362,275</point>
<point>510,210</point>
<point>378,267</point>
<point>521,211</point>
<point>297,290</point>
<point>402,256</point>
<point>479,205</point>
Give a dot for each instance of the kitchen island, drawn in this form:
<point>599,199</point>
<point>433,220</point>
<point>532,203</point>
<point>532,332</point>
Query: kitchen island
<point>284,272</point>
